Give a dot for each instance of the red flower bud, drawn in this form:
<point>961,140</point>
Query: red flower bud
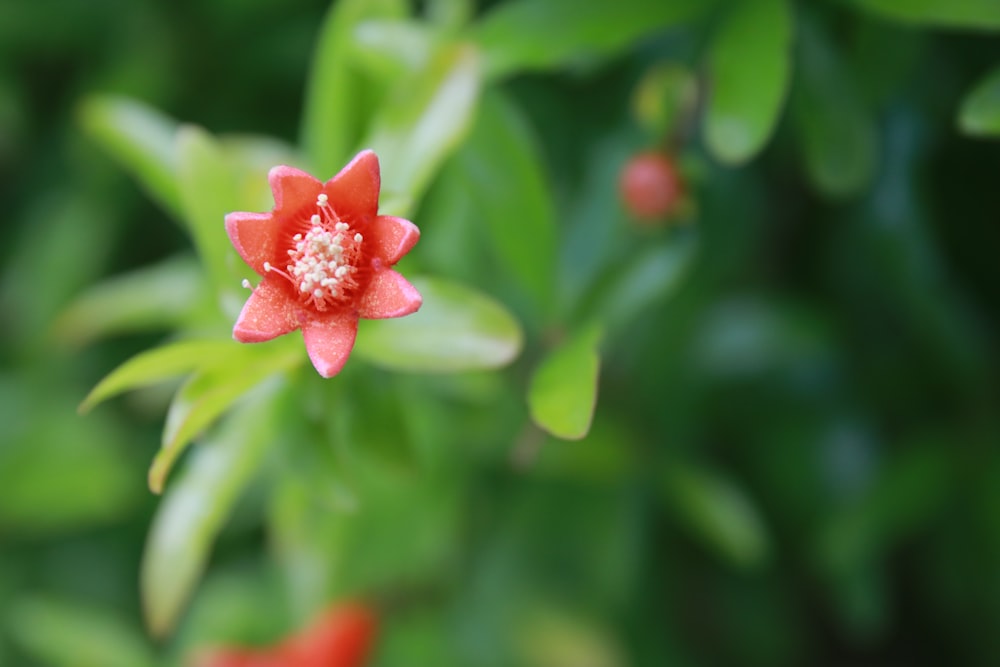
<point>650,186</point>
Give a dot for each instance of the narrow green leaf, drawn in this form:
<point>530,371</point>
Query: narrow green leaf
<point>563,391</point>
<point>195,508</point>
<point>211,391</point>
<point>60,241</point>
<point>389,49</point>
<point>159,296</point>
<point>532,35</point>
<point>333,117</point>
<point>251,158</point>
<point>554,636</point>
<point>836,130</point>
<point>749,70</point>
<point>141,139</point>
<point>56,473</point>
<point>604,458</point>
<point>980,112</point>
<point>652,276</point>
<point>209,190</point>
<point>158,364</point>
<point>449,14</point>
<point>718,512</point>
<point>56,632</point>
<point>424,119</point>
<point>502,169</point>
<point>909,490</point>
<point>456,329</point>
<point>970,14</point>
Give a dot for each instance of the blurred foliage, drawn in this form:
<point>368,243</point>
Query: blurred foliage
<point>785,401</point>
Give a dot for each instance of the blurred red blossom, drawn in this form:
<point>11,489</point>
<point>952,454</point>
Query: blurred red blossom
<point>342,636</point>
<point>325,257</point>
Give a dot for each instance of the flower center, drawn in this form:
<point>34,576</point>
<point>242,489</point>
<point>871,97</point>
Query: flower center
<point>323,261</point>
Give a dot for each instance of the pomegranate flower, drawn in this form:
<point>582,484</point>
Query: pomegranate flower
<point>342,636</point>
<point>325,258</point>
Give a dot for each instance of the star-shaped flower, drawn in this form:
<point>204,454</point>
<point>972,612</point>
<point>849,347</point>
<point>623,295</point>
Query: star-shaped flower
<point>325,256</point>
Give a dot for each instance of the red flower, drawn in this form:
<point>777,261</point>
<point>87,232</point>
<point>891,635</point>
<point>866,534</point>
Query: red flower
<point>325,255</point>
<point>340,637</point>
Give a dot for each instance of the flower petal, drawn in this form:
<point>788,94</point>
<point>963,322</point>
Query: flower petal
<point>329,342</point>
<point>292,188</point>
<point>392,237</point>
<point>388,295</point>
<point>354,190</point>
<point>255,237</point>
<point>267,314</point>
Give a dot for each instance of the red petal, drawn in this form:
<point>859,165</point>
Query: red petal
<point>329,342</point>
<point>354,190</point>
<point>292,188</point>
<point>255,236</point>
<point>267,314</point>
<point>393,237</point>
<point>388,295</point>
<point>343,636</point>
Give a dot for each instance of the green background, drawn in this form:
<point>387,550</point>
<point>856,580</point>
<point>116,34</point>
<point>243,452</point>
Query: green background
<point>794,453</point>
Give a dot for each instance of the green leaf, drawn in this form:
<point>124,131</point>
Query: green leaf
<point>59,242</point>
<point>159,296</point>
<point>449,14</point>
<point>606,457</point>
<point>208,188</point>
<point>333,116</point>
<point>252,157</point>
<point>980,112</point>
<point>211,391</point>
<point>456,329</point>
<point>196,506</point>
<point>563,391</point>
<point>424,119</point>
<point>749,69</point>
<point>910,490</point>
<point>836,130</point>
<point>57,632</point>
<point>971,14</point>
<point>501,168</point>
<point>58,474</point>
<point>652,275</point>
<point>388,49</point>
<point>717,512</point>
<point>141,139</point>
<point>548,635</point>
<point>533,35</point>
<point>158,364</point>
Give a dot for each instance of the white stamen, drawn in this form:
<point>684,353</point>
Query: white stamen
<point>321,260</point>
<point>246,284</point>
